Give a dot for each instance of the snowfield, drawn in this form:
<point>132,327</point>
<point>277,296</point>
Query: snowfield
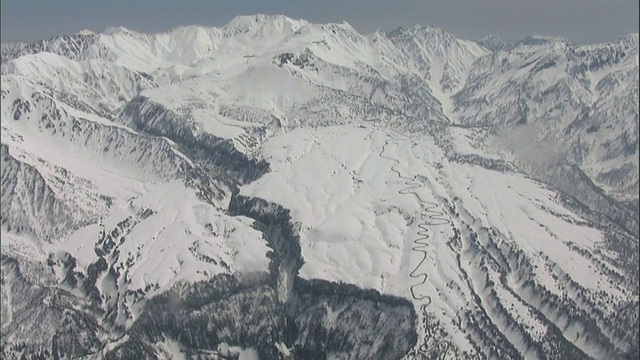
<point>361,223</point>
<point>267,187</point>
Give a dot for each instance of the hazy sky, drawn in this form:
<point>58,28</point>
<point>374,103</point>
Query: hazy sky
<point>583,21</point>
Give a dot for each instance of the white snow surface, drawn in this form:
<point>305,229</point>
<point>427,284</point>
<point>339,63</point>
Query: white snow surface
<point>343,119</point>
<point>359,228</point>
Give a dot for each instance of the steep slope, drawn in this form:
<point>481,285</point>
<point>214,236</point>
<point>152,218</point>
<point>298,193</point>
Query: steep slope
<point>581,99</point>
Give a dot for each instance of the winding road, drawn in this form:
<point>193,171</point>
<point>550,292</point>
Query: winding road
<point>430,217</point>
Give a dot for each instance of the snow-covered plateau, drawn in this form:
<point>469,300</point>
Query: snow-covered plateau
<point>277,189</point>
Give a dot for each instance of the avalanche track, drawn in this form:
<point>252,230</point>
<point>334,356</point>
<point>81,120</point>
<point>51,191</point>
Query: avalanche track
<point>430,217</point>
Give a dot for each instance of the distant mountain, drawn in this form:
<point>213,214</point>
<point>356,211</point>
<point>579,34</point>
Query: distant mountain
<point>275,188</point>
<point>496,43</point>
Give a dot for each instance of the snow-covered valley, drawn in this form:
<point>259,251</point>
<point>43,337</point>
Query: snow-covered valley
<point>280,189</point>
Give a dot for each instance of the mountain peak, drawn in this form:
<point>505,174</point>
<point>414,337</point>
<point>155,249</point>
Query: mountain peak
<point>247,22</point>
<point>496,43</point>
<point>85,32</point>
<point>540,40</point>
<point>112,30</point>
<point>418,30</point>
<point>630,39</point>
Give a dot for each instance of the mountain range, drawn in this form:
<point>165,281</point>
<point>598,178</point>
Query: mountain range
<point>278,189</point>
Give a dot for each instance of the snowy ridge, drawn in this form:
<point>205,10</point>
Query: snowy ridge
<point>460,198</point>
<point>346,214</point>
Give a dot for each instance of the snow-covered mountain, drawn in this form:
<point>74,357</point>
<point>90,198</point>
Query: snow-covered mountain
<point>275,188</point>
